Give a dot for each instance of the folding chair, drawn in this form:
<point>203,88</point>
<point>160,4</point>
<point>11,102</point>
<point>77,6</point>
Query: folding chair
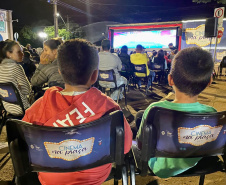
<point>34,148</point>
<point>128,74</point>
<point>174,134</point>
<point>109,76</point>
<point>10,94</point>
<point>159,71</point>
<point>222,65</point>
<point>142,69</point>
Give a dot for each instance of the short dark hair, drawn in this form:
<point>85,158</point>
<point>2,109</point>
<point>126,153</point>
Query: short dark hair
<point>191,70</point>
<point>170,44</point>
<point>106,44</point>
<point>139,47</point>
<point>6,46</point>
<point>53,43</point>
<point>77,59</point>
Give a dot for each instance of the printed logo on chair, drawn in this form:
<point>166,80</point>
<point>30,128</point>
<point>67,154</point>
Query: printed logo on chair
<point>4,93</point>
<point>157,66</point>
<point>70,150</point>
<point>104,76</point>
<point>138,68</point>
<point>199,135</point>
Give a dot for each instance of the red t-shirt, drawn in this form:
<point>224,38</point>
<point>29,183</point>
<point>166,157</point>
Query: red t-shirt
<point>167,60</point>
<point>88,106</point>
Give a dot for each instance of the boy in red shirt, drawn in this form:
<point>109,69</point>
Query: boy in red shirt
<point>76,104</point>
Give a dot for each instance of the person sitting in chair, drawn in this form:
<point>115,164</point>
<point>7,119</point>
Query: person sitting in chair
<point>139,58</point>
<point>110,61</point>
<point>78,64</point>
<point>191,73</point>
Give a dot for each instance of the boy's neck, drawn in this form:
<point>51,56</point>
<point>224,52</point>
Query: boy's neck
<point>183,98</point>
<point>77,88</point>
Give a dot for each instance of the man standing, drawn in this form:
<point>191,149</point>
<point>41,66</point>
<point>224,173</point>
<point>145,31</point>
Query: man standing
<point>171,46</point>
<point>110,61</point>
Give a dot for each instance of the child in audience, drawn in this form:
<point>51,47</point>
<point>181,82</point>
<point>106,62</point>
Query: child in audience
<point>191,73</point>
<point>78,64</point>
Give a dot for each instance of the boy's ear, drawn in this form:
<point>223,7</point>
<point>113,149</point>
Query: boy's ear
<point>94,76</point>
<point>170,80</point>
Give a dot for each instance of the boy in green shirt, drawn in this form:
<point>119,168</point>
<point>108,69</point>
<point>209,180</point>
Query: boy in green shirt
<point>190,74</point>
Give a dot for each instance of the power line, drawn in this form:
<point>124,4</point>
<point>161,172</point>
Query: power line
<point>73,8</point>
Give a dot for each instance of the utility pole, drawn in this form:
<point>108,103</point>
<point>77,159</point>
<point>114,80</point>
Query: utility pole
<point>55,17</point>
<point>54,2</point>
<point>68,27</point>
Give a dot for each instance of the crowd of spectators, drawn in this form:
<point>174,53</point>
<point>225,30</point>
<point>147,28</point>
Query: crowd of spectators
<point>70,69</point>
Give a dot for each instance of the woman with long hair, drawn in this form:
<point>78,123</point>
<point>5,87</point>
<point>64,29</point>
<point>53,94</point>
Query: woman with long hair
<point>47,71</point>
<point>10,71</point>
<point>159,63</point>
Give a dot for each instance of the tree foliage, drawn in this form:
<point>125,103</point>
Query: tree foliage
<point>75,32</point>
<point>208,1</point>
<point>28,35</point>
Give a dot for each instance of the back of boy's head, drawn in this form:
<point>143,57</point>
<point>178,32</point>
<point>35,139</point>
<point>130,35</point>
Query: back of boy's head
<point>77,59</point>
<point>191,70</point>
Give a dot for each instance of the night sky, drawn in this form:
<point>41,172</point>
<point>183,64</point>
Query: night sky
<point>40,13</point>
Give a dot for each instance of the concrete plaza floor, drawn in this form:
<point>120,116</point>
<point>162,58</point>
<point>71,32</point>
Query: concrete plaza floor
<point>214,95</point>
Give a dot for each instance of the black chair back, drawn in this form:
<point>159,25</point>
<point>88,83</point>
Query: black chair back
<point>140,69</point>
<point>10,94</point>
<point>224,62</point>
<point>123,68</point>
<point>180,134</point>
<point>66,149</point>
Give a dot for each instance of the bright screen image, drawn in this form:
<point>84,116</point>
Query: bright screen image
<point>148,39</point>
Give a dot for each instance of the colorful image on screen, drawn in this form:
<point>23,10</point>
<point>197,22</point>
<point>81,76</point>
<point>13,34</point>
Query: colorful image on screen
<point>148,39</point>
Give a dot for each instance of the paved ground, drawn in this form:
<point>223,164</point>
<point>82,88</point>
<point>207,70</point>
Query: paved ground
<point>215,96</point>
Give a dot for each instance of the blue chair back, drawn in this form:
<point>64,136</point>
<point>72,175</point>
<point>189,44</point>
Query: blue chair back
<point>66,149</point>
<point>107,76</point>
<point>10,94</point>
<point>180,134</point>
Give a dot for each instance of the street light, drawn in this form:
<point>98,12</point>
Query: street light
<point>43,35</point>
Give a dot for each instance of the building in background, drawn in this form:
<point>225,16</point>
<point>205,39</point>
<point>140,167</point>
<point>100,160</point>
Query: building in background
<point>6,27</point>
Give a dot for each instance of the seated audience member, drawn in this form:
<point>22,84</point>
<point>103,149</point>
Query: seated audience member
<point>190,74</point>
<point>47,71</point>
<point>168,61</point>
<point>10,71</point>
<point>78,64</point>
<point>141,58</point>
<point>28,65</point>
<point>159,60</point>
<point>172,54</point>
<point>29,48</point>
<point>110,61</point>
<point>125,58</point>
<point>222,64</point>
<point>35,56</point>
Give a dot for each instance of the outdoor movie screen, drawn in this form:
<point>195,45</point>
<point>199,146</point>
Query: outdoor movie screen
<point>148,39</point>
